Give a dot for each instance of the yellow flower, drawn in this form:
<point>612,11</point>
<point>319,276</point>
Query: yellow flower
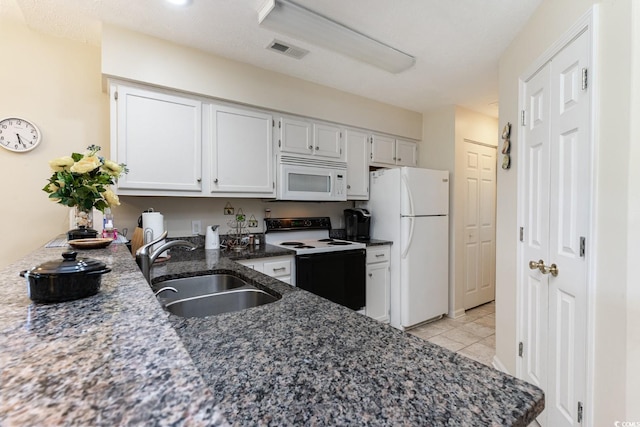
<point>111,198</point>
<point>112,168</point>
<point>85,164</point>
<point>61,163</point>
<point>53,188</point>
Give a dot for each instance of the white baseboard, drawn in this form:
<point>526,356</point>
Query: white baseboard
<point>497,364</point>
<point>456,314</point>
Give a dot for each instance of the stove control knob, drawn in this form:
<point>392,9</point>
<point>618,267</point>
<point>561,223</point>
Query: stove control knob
<point>307,223</point>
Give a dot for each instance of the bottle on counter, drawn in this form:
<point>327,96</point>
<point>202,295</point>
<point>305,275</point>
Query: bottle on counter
<point>108,229</point>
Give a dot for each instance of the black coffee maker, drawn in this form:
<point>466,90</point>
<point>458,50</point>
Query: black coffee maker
<point>357,223</point>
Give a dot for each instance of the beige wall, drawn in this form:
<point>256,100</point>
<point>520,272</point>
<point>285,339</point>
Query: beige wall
<point>56,84</point>
<point>611,83</point>
<point>445,131</point>
<point>134,56</point>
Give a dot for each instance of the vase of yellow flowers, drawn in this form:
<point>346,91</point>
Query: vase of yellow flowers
<point>83,182</point>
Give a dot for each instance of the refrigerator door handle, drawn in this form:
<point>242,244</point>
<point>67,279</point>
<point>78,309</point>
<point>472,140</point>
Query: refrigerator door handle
<point>408,190</point>
<point>409,239</point>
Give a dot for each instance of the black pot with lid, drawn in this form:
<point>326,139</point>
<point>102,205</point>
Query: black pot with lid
<point>65,279</point>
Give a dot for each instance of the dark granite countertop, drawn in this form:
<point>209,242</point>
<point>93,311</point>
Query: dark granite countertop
<point>373,242</point>
<point>115,359</point>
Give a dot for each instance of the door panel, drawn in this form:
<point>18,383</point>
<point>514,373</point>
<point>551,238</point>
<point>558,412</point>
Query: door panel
<point>479,220</point>
<point>536,226</point>
<point>568,221</point>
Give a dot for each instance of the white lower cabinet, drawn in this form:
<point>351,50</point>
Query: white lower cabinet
<point>282,267</point>
<point>378,283</point>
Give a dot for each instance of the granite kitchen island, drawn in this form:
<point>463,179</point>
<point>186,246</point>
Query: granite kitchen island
<point>118,358</point>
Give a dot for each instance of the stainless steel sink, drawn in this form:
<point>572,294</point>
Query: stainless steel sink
<point>189,287</point>
<point>222,302</point>
<point>202,296</point>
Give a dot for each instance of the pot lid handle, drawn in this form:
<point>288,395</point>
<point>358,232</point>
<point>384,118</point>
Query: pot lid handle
<point>69,255</point>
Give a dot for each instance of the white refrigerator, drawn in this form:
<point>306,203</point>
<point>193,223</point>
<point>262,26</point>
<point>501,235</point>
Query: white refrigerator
<point>410,206</point>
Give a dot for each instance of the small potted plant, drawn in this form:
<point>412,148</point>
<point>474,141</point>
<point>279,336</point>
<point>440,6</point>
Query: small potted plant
<point>83,182</point>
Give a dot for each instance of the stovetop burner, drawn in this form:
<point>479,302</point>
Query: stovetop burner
<point>292,244</point>
<point>304,247</point>
<point>326,240</point>
<point>338,243</point>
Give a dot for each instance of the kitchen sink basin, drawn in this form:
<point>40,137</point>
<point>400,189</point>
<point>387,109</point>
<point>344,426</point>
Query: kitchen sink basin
<point>189,287</point>
<point>218,303</point>
<point>201,296</point>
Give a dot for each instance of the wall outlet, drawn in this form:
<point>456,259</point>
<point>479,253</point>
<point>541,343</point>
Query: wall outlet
<point>196,227</point>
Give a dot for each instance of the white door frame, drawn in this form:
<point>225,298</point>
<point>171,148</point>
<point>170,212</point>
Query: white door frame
<point>588,22</point>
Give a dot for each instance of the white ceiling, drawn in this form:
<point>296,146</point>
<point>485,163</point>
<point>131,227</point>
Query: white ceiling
<point>457,43</point>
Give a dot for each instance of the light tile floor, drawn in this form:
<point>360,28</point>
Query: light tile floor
<point>472,335</point>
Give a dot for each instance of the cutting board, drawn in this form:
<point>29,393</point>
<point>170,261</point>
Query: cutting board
<point>137,240</point>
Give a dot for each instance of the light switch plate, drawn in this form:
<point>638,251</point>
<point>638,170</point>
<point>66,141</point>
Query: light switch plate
<point>196,227</point>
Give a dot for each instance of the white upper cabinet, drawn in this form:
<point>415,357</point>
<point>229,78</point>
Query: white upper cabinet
<point>327,140</point>
<point>159,137</point>
<point>406,153</point>
<point>383,149</point>
<point>298,136</point>
<point>241,152</point>
<point>386,151</point>
<point>357,147</point>
<point>295,136</point>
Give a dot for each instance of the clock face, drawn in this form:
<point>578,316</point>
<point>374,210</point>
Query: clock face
<point>19,135</point>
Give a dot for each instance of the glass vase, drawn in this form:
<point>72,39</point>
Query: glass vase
<point>83,219</point>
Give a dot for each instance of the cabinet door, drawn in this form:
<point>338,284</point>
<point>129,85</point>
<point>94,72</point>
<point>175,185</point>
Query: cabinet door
<point>295,136</point>
<point>383,150</point>
<point>357,147</point>
<point>378,291</point>
<point>327,140</point>
<point>241,159</point>
<point>406,153</point>
<point>159,137</point>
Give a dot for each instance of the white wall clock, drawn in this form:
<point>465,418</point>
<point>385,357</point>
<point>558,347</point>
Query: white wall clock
<point>19,135</point>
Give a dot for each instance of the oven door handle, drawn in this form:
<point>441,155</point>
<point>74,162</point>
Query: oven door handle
<point>405,250</point>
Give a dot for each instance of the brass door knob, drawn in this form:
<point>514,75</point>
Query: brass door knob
<point>544,269</point>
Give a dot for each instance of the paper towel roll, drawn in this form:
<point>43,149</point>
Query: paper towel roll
<point>153,227</point>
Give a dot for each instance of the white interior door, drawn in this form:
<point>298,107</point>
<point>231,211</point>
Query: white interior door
<point>480,225</point>
<point>556,223</point>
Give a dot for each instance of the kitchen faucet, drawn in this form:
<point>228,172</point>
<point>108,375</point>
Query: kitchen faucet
<point>145,256</point>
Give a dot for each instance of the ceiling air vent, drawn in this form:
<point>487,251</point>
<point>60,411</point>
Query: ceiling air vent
<point>287,49</point>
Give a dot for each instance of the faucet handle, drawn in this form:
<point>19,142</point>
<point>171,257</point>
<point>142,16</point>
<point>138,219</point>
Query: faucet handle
<point>146,248</point>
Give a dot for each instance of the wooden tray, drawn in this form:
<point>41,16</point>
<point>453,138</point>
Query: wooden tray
<point>96,243</point>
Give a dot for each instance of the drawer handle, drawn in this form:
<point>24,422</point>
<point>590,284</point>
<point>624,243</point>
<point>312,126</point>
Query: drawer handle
<point>280,269</point>
<point>379,255</point>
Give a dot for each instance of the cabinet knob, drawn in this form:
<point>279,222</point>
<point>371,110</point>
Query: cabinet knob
<point>317,148</point>
<point>399,159</point>
<point>311,147</point>
<point>370,274</point>
<point>348,187</point>
<point>215,181</point>
<point>199,180</point>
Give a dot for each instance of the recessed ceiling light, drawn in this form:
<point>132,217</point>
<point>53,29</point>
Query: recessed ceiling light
<point>179,2</point>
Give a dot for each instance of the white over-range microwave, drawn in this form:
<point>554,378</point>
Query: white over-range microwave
<point>311,179</point>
